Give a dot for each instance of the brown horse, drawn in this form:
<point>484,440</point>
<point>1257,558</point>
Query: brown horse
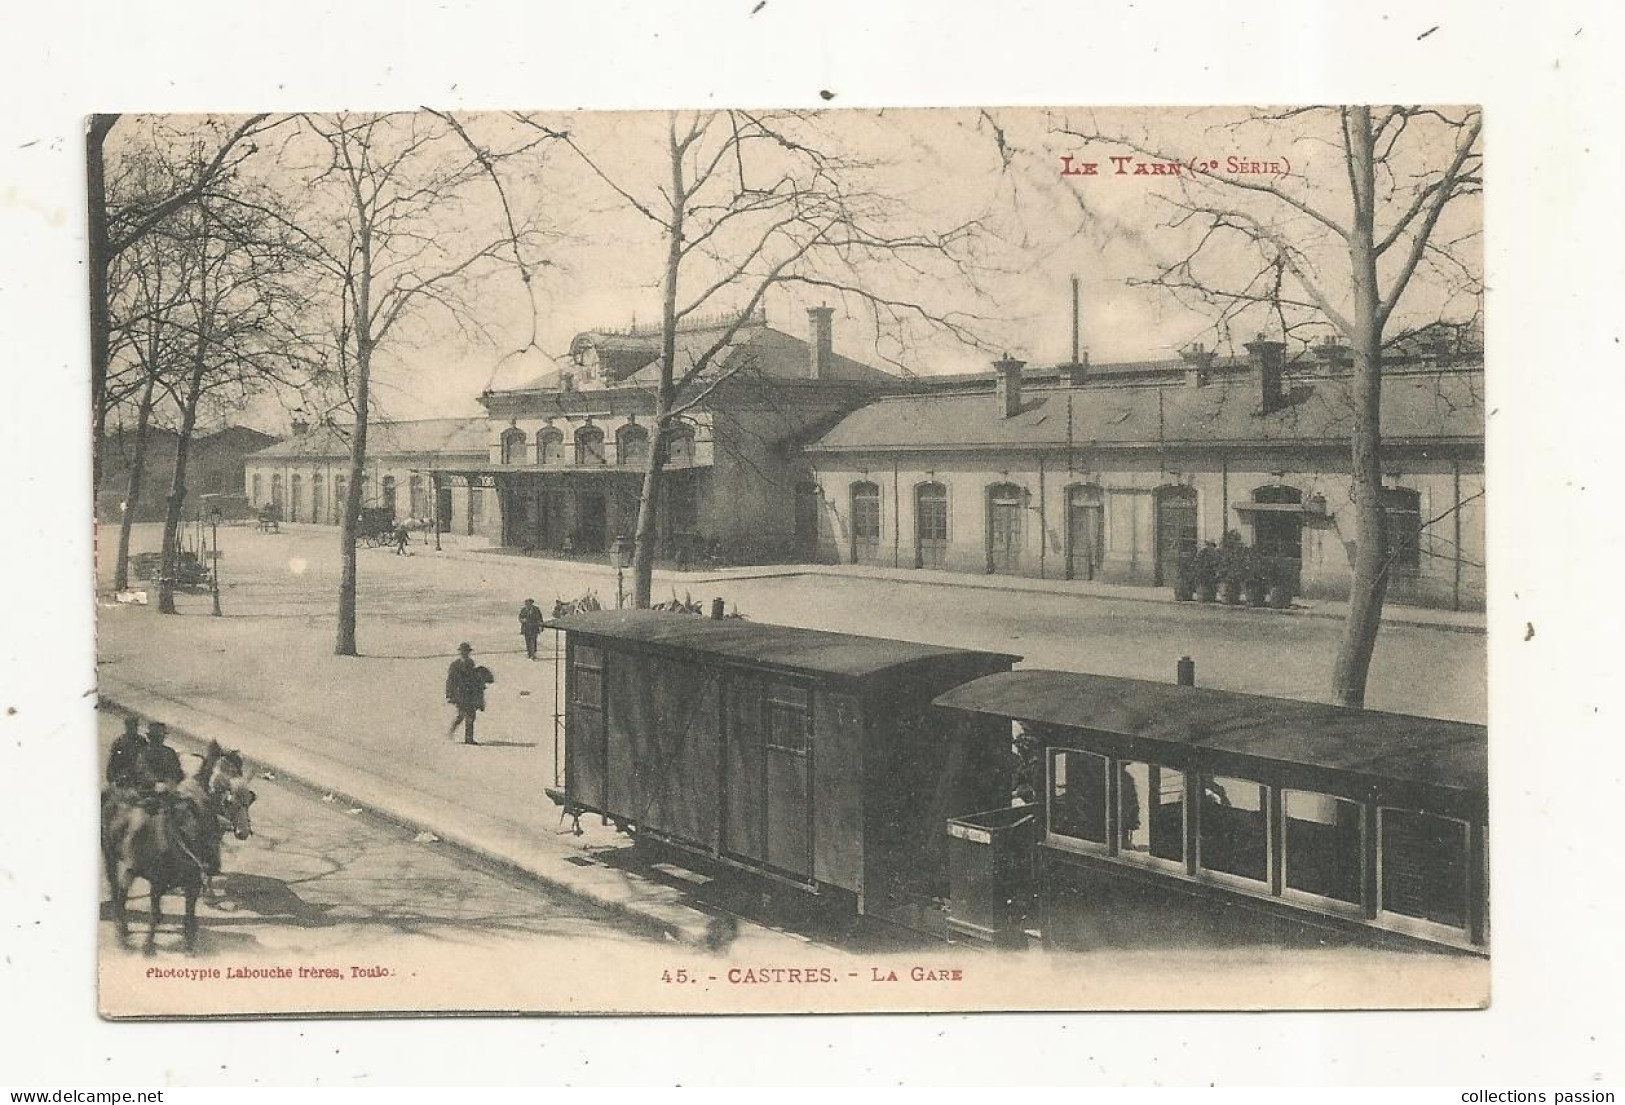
<point>172,840</point>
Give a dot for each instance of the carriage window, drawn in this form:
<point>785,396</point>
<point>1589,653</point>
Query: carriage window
<point>1424,866</point>
<point>1077,795</point>
<point>1325,846</point>
<point>789,719</point>
<point>587,677</point>
<point>1233,827</point>
<point>1151,812</point>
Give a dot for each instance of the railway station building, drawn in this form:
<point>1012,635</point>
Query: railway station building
<point>790,451</point>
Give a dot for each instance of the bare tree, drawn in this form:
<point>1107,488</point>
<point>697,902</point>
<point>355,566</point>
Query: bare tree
<point>118,222</point>
<point>155,278</point>
<point>1338,248</point>
<point>750,202</point>
<point>385,216</point>
<point>240,331</point>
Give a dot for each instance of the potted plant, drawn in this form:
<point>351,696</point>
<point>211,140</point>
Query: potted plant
<point>1232,568</point>
<point>1205,569</point>
<point>1257,577</point>
<point>1281,585</point>
<point>1185,577</point>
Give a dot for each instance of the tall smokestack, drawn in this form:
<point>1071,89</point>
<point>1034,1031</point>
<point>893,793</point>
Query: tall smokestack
<point>1077,323</point>
<point>821,341</point>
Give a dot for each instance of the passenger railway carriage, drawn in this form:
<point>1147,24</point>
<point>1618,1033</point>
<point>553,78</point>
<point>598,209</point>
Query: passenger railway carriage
<point>1195,810</point>
<point>863,770</point>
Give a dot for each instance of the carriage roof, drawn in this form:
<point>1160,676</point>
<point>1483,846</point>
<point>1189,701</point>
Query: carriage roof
<point>1369,743</point>
<point>781,647</point>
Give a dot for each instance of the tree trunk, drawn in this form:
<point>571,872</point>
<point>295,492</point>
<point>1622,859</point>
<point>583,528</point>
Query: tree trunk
<point>101,327</point>
<point>643,556</point>
<point>346,642</point>
<point>177,488</point>
<point>1370,570</point>
<point>132,494</point>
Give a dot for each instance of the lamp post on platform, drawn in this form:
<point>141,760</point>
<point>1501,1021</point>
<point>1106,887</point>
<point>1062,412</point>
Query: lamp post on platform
<point>214,567</point>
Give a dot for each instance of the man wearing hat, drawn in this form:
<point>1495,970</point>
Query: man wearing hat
<point>530,626</point>
<point>124,758</point>
<point>158,766</point>
<point>465,689</point>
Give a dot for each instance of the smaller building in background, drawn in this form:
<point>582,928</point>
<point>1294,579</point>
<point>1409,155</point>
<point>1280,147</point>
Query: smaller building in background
<point>305,477</point>
<point>215,465</point>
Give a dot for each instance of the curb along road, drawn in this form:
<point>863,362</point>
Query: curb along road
<point>612,891</point>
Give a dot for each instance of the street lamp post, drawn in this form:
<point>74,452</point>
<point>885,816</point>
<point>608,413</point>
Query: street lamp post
<point>214,574</point>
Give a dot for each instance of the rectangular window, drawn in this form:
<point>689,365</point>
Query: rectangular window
<point>1424,866</point>
<point>1402,529</point>
<point>1325,846</point>
<point>933,521</point>
<point>1077,795</point>
<point>789,719</point>
<point>587,677</point>
<point>1233,828</point>
<point>1151,812</point>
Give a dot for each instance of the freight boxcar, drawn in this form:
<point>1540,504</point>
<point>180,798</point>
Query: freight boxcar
<point>813,759</point>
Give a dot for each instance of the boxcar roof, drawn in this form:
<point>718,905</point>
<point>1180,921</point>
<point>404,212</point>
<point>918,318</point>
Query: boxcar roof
<point>811,651</point>
<point>1400,747</point>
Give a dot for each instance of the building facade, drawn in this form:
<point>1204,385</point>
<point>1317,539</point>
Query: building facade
<point>566,453</point>
<point>305,477</point>
<point>1115,472</point>
<point>786,450</point>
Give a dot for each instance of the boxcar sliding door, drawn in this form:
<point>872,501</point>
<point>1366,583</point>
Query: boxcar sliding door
<point>584,724</point>
<point>768,775</point>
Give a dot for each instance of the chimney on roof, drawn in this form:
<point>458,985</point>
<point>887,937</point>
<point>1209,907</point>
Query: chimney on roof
<point>1333,354</point>
<point>567,383</point>
<point>1198,361</point>
<point>299,427</point>
<point>820,341</point>
<point>1009,385</point>
<point>1268,360</point>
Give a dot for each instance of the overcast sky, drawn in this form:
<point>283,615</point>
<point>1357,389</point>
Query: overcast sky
<point>937,168</point>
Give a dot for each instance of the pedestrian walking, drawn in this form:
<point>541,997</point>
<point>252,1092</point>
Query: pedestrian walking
<point>530,626</point>
<point>402,538</point>
<point>124,758</point>
<point>465,689</point>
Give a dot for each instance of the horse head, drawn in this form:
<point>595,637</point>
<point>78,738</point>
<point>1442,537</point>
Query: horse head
<point>225,784</point>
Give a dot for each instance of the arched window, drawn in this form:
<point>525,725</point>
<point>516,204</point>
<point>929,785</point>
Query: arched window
<point>276,491</point>
<point>1176,538</point>
<point>387,497</point>
<point>631,444</point>
<point>1005,503</point>
<point>1085,530</point>
<point>931,525</point>
<point>1402,529</point>
<point>549,446</point>
<point>318,504</point>
<point>1278,528</point>
<point>865,523</point>
<point>589,445</point>
<point>296,497</point>
<point>258,495</point>
<point>420,501</point>
<point>513,446</point>
<point>678,442</point>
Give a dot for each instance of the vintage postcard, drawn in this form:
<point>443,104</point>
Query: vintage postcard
<point>765,561</point>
